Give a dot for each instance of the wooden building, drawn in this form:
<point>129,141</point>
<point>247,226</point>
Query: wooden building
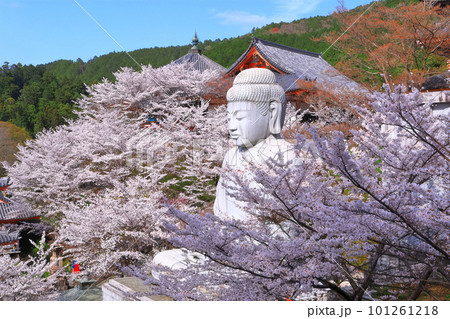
<point>12,212</point>
<point>296,71</point>
<point>436,90</point>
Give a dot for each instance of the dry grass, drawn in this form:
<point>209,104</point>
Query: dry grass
<point>10,137</point>
<point>436,292</point>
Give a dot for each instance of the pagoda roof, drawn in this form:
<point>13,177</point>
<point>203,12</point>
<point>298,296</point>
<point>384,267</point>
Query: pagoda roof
<point>299,64</point>
<point>197,61</point>
<point>12,212</point>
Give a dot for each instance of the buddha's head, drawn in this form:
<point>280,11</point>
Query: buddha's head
<point>256,107</point>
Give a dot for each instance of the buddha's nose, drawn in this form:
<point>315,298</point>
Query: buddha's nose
<point>232,125</point>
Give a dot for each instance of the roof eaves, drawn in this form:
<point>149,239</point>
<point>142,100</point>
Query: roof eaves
<point>19,219</point>
<point>8,239</point>
<point>239,60</point>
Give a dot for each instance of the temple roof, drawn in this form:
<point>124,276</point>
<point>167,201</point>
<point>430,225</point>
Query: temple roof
<point>11,211</point>
<point>194,59</point>
<point>299,64</point>
<point>440,81</point>
<point>7,238</point>
<point>199,62</point>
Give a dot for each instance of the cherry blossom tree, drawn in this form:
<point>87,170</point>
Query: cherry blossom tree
<point>333,221</point>
<point>64,164</point>
<point>102,179</point>
<point>102,145</point>
<point>31,279</point>
<point>397,179</point>
<point>329,223</point>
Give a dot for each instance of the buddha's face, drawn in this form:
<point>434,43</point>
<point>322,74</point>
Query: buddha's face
<point>246,125</point>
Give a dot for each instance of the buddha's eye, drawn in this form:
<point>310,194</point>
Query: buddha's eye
<point>240,116</point>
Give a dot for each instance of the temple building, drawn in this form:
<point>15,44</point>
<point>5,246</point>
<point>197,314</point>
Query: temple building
<point>289,65</point>
<point>194,59</point>
<point>293,69</point>
<point>436,90</point>
<point>302,74</point>
<point>12,212</point>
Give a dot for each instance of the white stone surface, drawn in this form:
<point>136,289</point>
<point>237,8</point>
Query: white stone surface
<point>175,259</point>
<point>125,289</point>
<point>241,161</point>
<point>440,100</point>
<point>256,111</point>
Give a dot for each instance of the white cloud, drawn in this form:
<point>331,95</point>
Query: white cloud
<point>283,10</point>
<point>288,10</point>
<point>241,18</point>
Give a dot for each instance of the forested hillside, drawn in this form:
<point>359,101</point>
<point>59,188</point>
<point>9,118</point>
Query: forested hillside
<point>41,97</point>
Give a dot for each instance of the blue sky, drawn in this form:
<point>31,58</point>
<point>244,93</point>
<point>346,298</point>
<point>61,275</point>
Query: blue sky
<point>42,31</point>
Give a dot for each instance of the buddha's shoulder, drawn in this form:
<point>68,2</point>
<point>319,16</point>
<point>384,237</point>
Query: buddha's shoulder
<point>276,145</point>
<point>231,157</point>
<point>232,152</point>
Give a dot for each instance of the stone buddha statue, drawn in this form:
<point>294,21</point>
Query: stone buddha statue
<point>256,111</point>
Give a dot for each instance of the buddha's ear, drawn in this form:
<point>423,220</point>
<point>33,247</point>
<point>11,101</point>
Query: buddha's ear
<point>275,117</point>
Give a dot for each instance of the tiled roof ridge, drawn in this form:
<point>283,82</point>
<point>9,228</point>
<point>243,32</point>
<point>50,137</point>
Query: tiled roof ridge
<point>198,59</point>
<point>284,47</point>
<point>254,43</point>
